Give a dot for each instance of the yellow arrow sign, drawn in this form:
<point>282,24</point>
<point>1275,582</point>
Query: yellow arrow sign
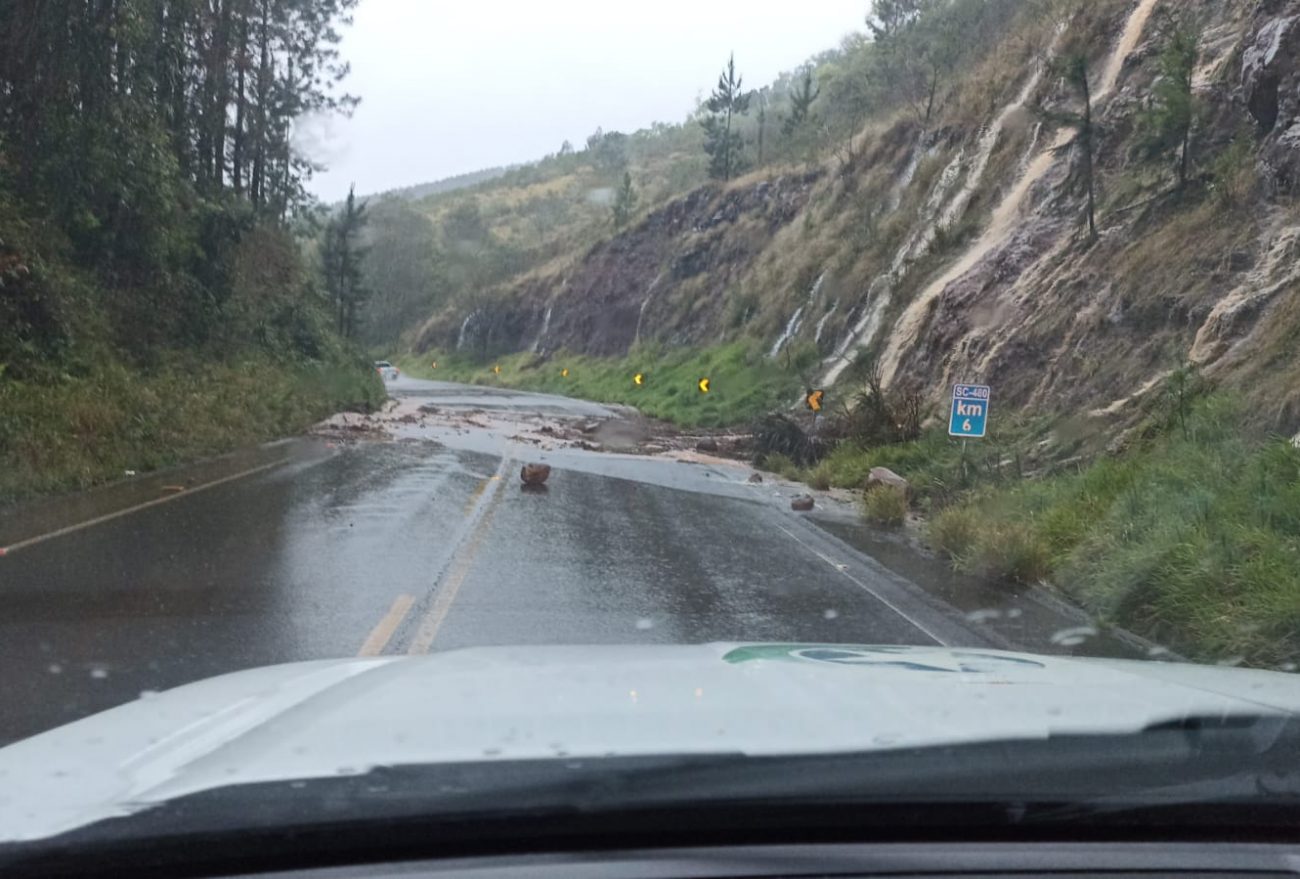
<point>816,400</point>
<point>564,373</point>
<point>497,370</point>
<point>639,378</point>
<point>435,364</point>
<point>704,385</point>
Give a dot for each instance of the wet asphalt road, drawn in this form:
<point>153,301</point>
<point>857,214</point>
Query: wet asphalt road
<point>315,549</point>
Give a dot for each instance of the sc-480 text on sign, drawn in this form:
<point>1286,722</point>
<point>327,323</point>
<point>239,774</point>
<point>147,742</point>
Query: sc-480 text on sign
<point>970,411</point>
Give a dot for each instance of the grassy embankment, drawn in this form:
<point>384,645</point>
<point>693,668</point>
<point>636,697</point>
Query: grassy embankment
<point>743,382</point>
<point>1191,536</point>
<point>80,432</point>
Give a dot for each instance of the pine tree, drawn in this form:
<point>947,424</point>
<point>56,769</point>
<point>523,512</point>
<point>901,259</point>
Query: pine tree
<point>721,141</point>
<point>1073,68</point>
<point>342,260</point>
<point>801,101</point>
<point>1174,110</point>
<point>624,202</point>
<point>889,18</point>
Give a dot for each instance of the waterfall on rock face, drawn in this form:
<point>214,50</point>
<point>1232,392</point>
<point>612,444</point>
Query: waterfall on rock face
<point>464,328</point>
<point>790,329</point>
<point>864,333</point>
<point>1003,222</point>
<point>796,320</point>
<point>821,324</point>
<point>1010,211</point>
<point>546,328</point>
<point>645,303</point>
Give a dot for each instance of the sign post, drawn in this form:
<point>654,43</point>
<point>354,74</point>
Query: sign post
<point>970,411</point>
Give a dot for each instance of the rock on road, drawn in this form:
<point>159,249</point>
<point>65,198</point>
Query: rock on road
<point>424,540</point>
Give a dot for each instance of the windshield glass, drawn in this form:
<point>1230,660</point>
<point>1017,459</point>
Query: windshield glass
<point>866,377</point>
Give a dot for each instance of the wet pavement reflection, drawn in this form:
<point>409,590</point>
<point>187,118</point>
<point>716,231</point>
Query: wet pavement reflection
<point>417,536</point>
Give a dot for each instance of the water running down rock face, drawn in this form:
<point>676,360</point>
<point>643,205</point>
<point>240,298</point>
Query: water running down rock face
<point>1006,217</point>
<point>1021,301</point>
<point>793,326</point>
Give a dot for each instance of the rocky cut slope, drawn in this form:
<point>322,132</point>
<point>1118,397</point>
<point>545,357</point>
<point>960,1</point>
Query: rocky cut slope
<point>957,250</point>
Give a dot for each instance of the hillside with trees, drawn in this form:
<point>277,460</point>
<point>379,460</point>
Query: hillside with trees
<point>153,227</point>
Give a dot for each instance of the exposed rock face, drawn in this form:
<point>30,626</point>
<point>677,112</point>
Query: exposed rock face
<point>963,255</point>
<point>1270,84</point>
<point>665,278</point>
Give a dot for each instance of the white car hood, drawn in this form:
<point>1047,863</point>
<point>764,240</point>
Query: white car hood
<point>322,719</point>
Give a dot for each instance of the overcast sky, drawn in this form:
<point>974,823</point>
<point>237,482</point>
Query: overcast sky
<point>450,87</point>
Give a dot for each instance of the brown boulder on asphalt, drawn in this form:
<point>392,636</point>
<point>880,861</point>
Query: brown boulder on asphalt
<point>885,476</point>
<point>535,474</point>
<point>802,504</point>
<point>756,478</point>
<point>706,445</point>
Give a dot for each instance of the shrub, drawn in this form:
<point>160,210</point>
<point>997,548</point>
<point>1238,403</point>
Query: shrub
<point>1012,551</point>
<point>954,531</point>
<point>885,505</point>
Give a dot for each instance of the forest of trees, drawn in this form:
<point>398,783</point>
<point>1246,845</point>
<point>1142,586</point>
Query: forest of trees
<point>141,144</point>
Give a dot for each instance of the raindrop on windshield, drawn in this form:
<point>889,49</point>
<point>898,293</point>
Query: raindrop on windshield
<point>145,695</point>
<point>1287,666</point>
<point>1073,637</point>
<point>645,624</point>
<point>983,616</point>
<point>55,668</point>
<point>830,614</point>
<point>99,673</point>
<point>1231,661</point>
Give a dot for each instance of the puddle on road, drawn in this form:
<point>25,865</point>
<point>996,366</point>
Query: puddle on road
<point>1032,619</point>
<point>26,520</point>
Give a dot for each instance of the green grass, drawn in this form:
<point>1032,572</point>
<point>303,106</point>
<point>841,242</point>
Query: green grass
<point>1192,538</point>
<point>885,505</point>
<point>743,383</point>
<point>77,433</point>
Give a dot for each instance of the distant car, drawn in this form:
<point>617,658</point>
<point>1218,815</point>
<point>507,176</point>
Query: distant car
<point>386,370</point>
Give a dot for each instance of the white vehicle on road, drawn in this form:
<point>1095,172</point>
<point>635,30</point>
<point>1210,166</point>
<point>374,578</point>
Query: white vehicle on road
<point>386,370</point>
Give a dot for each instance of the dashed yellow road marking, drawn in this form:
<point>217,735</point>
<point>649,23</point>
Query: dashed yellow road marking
<point>461,564</point>
<point>382,633</point>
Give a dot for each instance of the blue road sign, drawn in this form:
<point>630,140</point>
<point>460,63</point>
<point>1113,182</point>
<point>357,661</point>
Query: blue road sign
<point>970,411</point>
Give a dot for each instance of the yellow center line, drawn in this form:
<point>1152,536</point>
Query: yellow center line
<point>460,567</point>
<point>382,633</point>
<point>100,520</point>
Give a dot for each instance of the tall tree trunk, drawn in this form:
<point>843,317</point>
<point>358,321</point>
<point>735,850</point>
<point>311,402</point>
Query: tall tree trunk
<point>727,149</point>
<point>241,109</point>
<point>1182,163</point>
<point>221,99</point>
<point>263,97</point>
<point>1087,157</point>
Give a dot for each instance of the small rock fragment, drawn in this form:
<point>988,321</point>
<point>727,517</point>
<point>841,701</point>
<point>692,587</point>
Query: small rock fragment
<point>706,445</point>
<point>802,504</point>
<point>756,478</point>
